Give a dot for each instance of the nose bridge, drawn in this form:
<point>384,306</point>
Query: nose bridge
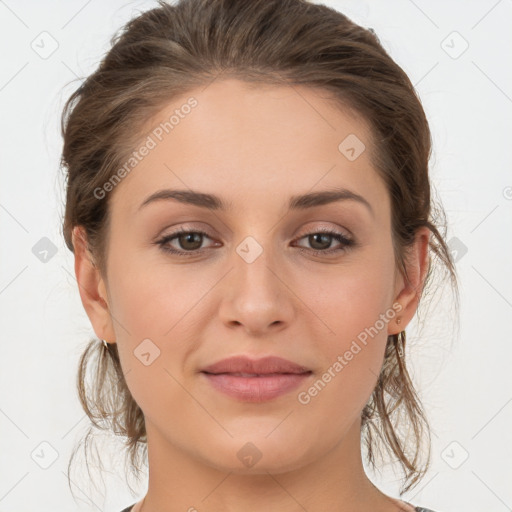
<point>255,252</point>
<point>255,265</point>
<point>255,296</point>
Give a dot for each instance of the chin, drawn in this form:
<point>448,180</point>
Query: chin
<point>258,454</point>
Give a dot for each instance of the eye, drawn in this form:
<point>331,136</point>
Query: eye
<point>190,242</point>
<point>321,242</point>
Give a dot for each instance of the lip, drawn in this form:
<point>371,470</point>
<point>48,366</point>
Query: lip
<point>262,366</point>
<point>255,380</point>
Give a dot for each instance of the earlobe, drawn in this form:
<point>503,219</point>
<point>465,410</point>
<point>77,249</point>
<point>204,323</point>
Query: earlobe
<point>409,293</point>
<point>91,287</point>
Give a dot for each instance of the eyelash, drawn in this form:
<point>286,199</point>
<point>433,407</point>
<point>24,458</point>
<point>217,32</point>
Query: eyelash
<point>347,243</point>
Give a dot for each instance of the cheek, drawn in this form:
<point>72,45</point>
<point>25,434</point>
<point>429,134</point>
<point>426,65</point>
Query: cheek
<point>352,309</point>
<point>155,308</point>
<point>152,298</point>
<point>350,298</point>
<point>352,350</point>
<point>152,310</point>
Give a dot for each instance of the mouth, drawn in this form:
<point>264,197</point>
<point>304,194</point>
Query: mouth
<point>248,387</point>
<point>255,380</point>
<point>253,375</point>
<point>243,365</point>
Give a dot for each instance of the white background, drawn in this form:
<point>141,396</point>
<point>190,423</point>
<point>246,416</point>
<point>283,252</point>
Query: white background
<point>463,374</point>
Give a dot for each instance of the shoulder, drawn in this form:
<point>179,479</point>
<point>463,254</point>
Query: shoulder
<point>410,506</point>
<point>417,509</point>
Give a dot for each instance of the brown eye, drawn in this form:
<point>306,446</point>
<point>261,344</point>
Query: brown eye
<point>321,242</point>
<point>189,242</point>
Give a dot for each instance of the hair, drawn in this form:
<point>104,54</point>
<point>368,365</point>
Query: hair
<point>171,49</point>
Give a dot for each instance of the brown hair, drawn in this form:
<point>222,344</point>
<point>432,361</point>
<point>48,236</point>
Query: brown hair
<point>171,49</point>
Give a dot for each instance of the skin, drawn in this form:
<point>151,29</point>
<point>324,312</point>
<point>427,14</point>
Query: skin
<point>254,147</point>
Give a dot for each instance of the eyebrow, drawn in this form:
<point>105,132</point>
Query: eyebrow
<point>299,202</point>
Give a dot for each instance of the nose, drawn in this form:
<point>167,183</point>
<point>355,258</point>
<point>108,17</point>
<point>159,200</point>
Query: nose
<point>255,293</point>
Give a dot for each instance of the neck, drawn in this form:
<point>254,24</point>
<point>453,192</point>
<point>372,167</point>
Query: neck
<point>334,481</point>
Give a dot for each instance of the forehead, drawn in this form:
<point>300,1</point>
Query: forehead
<point>238,140</point>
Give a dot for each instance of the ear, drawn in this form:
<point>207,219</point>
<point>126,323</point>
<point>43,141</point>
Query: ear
<point>408,292</point>
<point>92,287</point>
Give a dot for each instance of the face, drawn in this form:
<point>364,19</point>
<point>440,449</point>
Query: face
<point>312,282</point>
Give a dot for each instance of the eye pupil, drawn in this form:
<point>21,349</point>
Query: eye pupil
<point>189,237</point>
<point>315,236</point>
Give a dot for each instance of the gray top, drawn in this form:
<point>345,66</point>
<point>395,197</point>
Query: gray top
<point>418,509</point>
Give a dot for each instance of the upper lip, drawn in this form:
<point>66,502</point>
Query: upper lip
<point>245,364</point>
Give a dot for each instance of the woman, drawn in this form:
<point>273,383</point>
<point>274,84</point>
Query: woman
<point>248,204</point>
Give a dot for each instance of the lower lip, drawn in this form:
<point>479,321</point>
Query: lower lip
<point>256,389</point>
